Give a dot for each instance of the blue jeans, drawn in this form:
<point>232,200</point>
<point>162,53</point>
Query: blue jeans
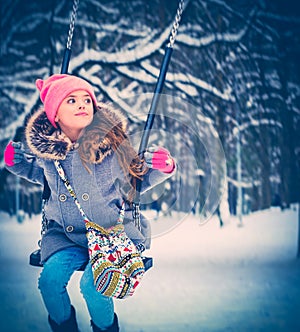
<point>53,281</point>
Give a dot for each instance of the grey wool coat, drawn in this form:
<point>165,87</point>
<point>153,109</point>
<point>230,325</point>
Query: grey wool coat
<point>98,191</point>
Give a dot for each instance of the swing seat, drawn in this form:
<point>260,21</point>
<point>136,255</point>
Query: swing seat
<point>35,260</point>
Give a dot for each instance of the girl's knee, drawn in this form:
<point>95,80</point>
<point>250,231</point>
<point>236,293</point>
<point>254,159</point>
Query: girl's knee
<point>86,283</point>
<point>87,286</point>
<point>51,280</point>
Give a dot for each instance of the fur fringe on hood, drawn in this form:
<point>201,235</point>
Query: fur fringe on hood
<point>47,142</point>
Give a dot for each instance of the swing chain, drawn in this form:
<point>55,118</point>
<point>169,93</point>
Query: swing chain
<point>72,24</point>
<point>176,24</point>
<point>44,221</point>
<point>136,214</point>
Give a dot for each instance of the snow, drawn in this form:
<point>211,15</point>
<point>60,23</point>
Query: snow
<point>147,46</point>
<point>205,278</point>
<point>188,79</point>
<point>212,38</point>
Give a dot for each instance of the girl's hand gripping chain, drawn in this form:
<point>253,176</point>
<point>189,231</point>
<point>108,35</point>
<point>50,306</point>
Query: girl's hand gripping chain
<point>159,158</point>
<point>13,153</point>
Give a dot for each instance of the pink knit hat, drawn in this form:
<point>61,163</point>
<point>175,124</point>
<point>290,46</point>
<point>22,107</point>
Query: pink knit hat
<point>56,88</point>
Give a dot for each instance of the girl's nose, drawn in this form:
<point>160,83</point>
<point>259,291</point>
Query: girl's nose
<point>81,106</point>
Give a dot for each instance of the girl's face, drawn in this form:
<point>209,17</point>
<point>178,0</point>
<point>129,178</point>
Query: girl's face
<point>75,112</point>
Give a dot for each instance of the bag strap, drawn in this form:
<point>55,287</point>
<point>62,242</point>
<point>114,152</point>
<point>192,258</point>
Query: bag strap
<point>70,189</point>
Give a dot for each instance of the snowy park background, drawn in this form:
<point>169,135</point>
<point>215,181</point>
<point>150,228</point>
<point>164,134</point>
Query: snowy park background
<point>205,278</point>
<point>234,68</point>
<point>234,80</point>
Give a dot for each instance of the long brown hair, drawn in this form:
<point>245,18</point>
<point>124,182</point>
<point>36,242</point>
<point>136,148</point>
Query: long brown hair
<point>107,134</point>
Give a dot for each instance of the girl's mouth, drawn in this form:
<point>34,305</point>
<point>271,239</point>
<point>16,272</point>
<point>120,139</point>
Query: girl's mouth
<point>81,114</point>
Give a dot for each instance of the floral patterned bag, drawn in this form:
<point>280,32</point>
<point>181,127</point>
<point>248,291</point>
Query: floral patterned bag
<point>116,262</point>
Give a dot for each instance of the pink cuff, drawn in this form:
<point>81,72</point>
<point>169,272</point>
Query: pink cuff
<point>9,154</point>
<point>163,161</point>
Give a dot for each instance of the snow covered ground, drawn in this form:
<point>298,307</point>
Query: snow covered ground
<point>205,278</point>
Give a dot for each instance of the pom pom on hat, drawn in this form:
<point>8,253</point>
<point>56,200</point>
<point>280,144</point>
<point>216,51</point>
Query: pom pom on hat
<point>56,88</point>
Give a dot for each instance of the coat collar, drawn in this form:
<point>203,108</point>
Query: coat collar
<point>47,142</point>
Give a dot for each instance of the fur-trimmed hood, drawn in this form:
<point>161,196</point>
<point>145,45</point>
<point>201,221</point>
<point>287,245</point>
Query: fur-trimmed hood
<point>47,142</point>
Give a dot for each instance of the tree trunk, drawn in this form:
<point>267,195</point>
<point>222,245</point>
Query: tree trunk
<point>290,178</point>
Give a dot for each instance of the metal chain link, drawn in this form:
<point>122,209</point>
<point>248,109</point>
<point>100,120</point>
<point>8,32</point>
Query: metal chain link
<point>72,23</point>
<point>44,221</point>
<point>136,214</point>
<point>176,24</point>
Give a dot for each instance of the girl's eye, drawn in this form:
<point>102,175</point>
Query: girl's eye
<point>88,100</point>
<point>71,101</point>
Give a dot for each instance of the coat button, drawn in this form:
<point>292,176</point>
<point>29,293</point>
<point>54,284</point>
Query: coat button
<point>62,197</point>
<point>85,196</point>
<point>69,229</point>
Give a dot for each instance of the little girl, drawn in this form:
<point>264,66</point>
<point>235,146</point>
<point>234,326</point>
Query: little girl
<point>89,139</point>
